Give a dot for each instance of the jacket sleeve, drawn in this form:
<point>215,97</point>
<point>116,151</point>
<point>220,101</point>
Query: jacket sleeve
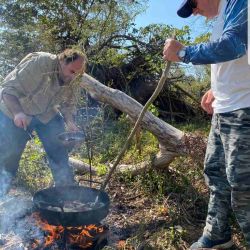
<point>24,78</point>
<point>69,102</point>
<point>231,45</point>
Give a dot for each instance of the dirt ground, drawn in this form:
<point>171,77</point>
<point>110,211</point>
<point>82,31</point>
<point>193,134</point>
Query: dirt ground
<point>138,221</point>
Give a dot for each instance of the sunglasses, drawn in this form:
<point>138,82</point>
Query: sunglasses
<point>193,4</point>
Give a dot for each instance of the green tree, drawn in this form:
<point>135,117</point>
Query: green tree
<point>121,56</point>
<point>54,25</point>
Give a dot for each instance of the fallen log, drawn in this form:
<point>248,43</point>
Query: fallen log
<point>76,164</point>
<point>81,166</point>
<point>172,141</point>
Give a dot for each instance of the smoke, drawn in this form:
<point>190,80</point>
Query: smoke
<point>17,227</point>
<point>15,205</point>
<point>5,181</point>
<point>12,209</point>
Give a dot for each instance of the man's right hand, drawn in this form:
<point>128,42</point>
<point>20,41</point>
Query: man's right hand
<point>206,102</point>
<point>22,120</point>
<point>171,49</point>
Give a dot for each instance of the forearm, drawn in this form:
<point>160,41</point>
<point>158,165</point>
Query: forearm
<point>70,123</point>
<point>231,45</point>
<point>20,119</point>
<point>68,118</point>
<point>68,111</point>
<point>228,48</point>
<point>12,103</point>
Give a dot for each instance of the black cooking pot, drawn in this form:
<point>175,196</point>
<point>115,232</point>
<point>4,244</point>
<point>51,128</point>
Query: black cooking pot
<point>51,202</point>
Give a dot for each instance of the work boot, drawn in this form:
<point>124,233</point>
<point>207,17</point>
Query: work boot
<point>205,242</point>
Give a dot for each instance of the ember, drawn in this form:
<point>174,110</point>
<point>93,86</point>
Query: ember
<point>83,237</point>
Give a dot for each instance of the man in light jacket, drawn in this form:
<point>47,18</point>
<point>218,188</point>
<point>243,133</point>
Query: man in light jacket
<point>38,95</point>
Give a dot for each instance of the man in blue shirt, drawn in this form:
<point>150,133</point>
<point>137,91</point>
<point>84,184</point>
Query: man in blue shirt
<point>227,161</point>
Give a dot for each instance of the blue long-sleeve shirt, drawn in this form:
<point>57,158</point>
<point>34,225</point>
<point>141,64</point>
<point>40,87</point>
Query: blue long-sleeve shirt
<point>231,45</point>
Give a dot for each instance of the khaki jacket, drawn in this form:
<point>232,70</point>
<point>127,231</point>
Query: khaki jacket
<point>36,85</point>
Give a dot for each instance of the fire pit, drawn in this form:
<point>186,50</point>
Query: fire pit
<point>71,205</point>
<point>25,228</point>
<point>90,237</point>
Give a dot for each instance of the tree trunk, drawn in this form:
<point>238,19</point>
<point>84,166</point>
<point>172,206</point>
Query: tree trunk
<point>81,166</point>
<point>172,141</point>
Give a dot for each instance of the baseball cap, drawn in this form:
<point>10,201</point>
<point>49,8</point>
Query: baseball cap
<point>186,9</point>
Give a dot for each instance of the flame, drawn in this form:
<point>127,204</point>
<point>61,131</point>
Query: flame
<point>52,232</point>
<point>81,236</point>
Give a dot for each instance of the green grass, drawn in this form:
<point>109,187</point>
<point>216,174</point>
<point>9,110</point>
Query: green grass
<point>33,173</point>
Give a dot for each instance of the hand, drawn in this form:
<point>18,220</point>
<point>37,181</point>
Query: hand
<point>22,120</point>
<point>170,50</point>
<point>71,126</point>
<point>206,102</point>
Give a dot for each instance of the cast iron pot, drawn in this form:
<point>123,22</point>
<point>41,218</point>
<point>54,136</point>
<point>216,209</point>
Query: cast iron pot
<point>56,196</point>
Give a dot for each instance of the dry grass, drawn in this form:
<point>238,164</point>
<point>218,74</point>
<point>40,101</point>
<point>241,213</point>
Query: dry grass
<point>142,216</point>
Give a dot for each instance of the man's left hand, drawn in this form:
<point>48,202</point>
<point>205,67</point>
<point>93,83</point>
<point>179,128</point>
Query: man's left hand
<point>207,101</point>
<point>71,126</point>
<point>171,49</point>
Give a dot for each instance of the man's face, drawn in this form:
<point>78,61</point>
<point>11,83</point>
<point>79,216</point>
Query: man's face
<point>70,71</point>
<point>206,8</point>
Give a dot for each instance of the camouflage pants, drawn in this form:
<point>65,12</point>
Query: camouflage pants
<point>227,173</point>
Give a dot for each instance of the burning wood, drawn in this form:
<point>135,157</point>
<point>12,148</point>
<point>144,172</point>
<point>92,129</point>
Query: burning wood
<point>21,229</point>
<point>82,237</point>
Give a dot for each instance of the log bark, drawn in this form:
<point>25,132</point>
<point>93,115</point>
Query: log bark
<point>173,142</point>
<point>81,166</point>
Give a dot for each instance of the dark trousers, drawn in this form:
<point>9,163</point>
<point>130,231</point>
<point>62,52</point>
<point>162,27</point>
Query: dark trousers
<point>13,141</point>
